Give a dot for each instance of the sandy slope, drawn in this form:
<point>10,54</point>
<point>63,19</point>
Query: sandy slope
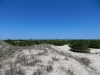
<point>94,57</point>
<point>51,60</point>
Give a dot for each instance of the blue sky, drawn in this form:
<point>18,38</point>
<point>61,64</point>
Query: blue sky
<point>50,19</point>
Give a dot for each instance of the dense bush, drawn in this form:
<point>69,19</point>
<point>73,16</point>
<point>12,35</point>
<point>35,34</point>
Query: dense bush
<point>79,46</point>
<point>94,44</point>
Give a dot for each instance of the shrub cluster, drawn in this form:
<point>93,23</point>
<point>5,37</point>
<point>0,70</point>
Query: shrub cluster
<point>94,44</point>
<point>79,46</point>
<point>90,43</point>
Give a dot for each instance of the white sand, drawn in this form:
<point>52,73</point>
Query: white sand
<point>94,56</point>
<point>64,65</point>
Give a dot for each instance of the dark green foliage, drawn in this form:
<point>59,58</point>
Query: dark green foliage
<point>94,44</point>
<point>56,42</point>
<point>32,42</point>
<point>79,46</point>
<point>21,42</point>
<point>91,43</point>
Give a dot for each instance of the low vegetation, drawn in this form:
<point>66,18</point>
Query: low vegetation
<point>94,44</point>
<point>49,68</point>
<point>40,59</point>
<point>76,45</point>
<point>31,42</point>
<point>38,72</point>
<point>55,59</point>
<point>79,46</point>
<point>14,71</point>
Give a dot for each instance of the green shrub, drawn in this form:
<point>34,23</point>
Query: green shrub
<point>94,44</point>
<point>79,46</point>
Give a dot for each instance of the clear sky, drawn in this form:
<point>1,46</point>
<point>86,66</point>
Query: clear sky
<point>50,19</point>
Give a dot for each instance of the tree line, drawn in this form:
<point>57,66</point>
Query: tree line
<point>75,45</point>
<point>35,42</point>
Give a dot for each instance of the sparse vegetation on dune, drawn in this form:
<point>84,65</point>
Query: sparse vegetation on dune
<point>45,59</point>
<point>14,71</point>
<point>7,50</point>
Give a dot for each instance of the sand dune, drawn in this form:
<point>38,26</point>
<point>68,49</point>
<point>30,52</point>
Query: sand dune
<point>51,60</point>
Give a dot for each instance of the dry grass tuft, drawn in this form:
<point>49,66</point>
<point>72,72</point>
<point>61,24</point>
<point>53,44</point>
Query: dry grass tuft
<point>14,71</point>
<point>49,68</point>
<point>55,59</point>
<point>38,72</point>
<point>33,62</point>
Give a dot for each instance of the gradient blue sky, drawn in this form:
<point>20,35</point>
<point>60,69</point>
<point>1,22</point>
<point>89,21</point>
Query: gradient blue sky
<point>50,19</point>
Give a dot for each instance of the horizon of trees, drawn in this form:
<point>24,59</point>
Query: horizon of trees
<point>30,42</point>
<point>75,45</point>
